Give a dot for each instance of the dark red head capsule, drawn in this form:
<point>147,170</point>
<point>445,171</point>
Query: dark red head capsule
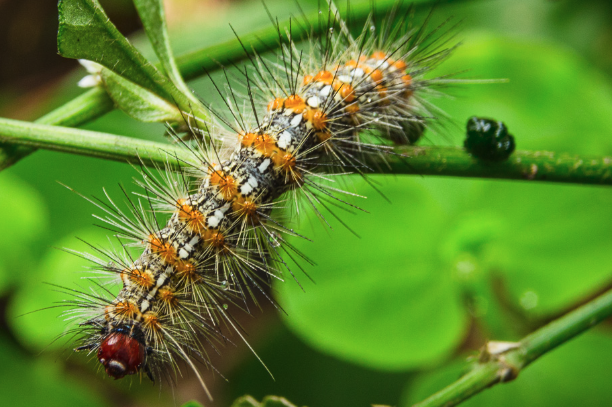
<point>121,354</point>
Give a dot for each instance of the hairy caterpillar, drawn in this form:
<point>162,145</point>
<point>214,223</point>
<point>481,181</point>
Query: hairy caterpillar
<point>316,111</point>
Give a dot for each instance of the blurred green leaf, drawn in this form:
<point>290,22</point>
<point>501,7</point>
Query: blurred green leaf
<point>275,401</point>
<point>85,32</point>
<point>24,220</point>
<point>246,401</point>
<point>40,382</point>
<point>268,401</point>
<point>384,300</point>
<point>192,403</point>
<point>558,248</point>
<point>552,247</point>
<point>138,102</point>
<point>310,377</point>
<point>153,17</point>
<point>576,374</point>
<point>35,309</point>
<point>554,100</point>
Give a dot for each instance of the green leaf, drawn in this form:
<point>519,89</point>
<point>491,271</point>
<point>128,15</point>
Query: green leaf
<point>275,401</point>
<point>576,374</point>
<point>557,250</point>
<point>41,381</point>
<point>192,403</point>
<point>33,323</point>
<point>85,32</point>
<point>152,14</point>
<point>268,401</point>
<point>137,101</point>
<point>553,250</point>
<point>24,220</point>
<point>246,401</point>
<point>554,99</point>
<point>384,300</point>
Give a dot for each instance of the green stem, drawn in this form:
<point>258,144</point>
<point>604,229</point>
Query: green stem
<point>525,165</point>
<point>507,366</point>
<point>88,143</point>
<point>82,109</point>
<point>445,161</point>
<point>95,103</point>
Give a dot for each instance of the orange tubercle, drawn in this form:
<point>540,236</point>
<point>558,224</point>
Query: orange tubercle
<point>143,278</point>
<point>295,103</point>
<point>126,310</point>
<point>377,76</point>
<point>324,77</point>
<point>214,238</point>
<point>245,206</point>
<point>265,144</point>
<point>151,321</point>
<point>317,118</point>
<point>401,65</point>
<point>165,250</point>
<point>183,266</point>
<point>382,93</point>
<point>167,296</point>
<point>226,183</point>
<point>247,139</point>
<point>347,93</point>
<point>284,161</point>
<point>323,135</point>
<point>187,270</point>
<point>352,108</point>
<point>193,218</point>
<point>276,104</point>
<point>379,55</point>
<point>216,176</point>
<point>308,79</point>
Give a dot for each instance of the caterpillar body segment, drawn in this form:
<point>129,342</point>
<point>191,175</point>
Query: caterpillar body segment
<point>222,241</point>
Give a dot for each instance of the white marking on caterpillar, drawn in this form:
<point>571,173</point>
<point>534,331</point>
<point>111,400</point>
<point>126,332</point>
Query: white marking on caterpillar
<point>358,72</point>
<point>246,188</point>
<point>296,120</point>
<point>326,91</point>
<point>264,165</point>
<point>214,220</point>
<point>345,78</point>
<point>284,139</point>
<point>313,101</point>
<point>253,181</point>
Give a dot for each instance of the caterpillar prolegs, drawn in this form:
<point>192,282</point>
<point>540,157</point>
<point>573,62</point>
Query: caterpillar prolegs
<point>318,111</point>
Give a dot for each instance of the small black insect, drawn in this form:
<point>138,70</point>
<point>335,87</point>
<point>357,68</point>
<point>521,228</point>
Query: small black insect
<point>488,139</point>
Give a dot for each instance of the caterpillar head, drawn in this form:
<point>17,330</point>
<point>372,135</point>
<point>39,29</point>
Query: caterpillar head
<point>121,353</point>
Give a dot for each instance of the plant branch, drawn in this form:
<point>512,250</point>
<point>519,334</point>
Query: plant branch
<point>505,366</point>
<point>522,165</point>
<point>88,143</point>
<point>95,102</point>
<point>445,161</point>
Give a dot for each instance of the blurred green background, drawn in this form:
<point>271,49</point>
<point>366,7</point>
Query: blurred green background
<point>448,264</point>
